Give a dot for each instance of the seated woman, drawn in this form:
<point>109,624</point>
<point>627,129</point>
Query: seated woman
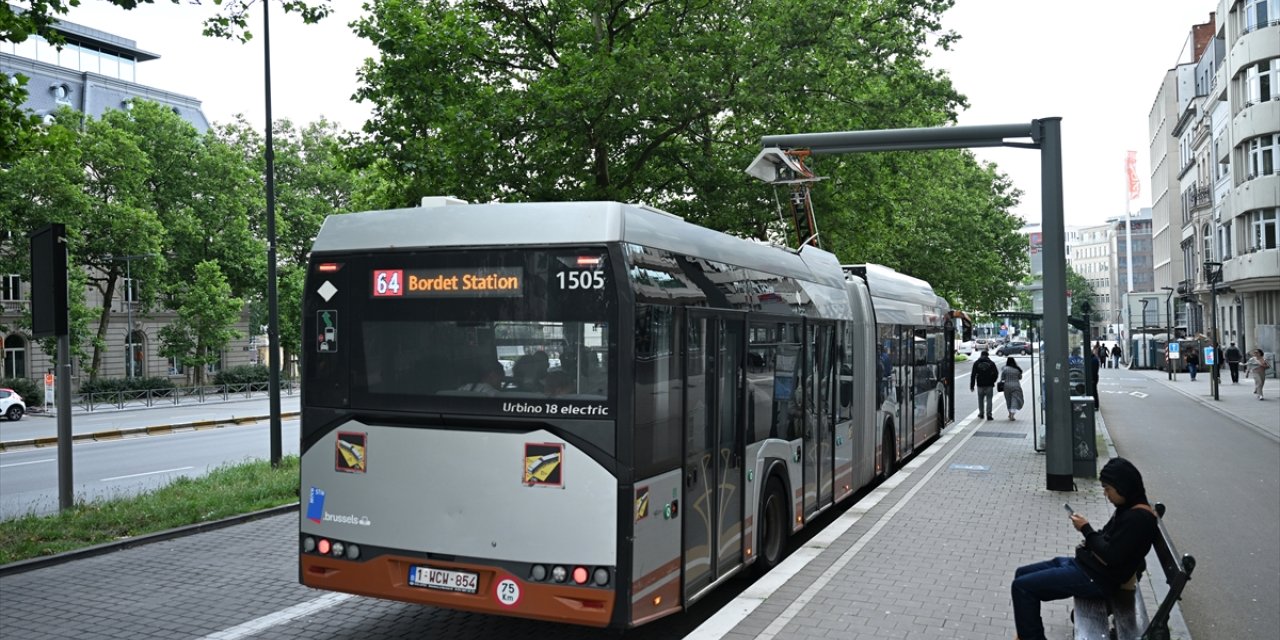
<point>1104,561</point>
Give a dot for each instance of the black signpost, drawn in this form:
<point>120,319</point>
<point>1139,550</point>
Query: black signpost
<point>49,318</point>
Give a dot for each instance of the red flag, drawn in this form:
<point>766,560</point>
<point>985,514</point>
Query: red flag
<point>1131,167</point>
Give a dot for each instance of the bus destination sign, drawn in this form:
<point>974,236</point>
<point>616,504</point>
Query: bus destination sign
<point>507,282</point>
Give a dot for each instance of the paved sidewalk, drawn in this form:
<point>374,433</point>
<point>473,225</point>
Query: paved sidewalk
<point>931,553</point>
<point>1234,400</point>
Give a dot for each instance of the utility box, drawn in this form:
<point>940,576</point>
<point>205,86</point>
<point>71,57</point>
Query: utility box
<point>1084,438</point>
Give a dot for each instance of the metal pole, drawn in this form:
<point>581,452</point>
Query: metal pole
<point>1168,323</point>
<point>1211,271</point>
<point>273,316</point>
<point>128,301</point>
<point>62,385</point>
<point>1057,395</point>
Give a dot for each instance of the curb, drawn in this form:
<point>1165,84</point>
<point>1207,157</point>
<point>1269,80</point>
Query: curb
<point>32,564</point>
<point>1177,625</point>
<point>116,434</point>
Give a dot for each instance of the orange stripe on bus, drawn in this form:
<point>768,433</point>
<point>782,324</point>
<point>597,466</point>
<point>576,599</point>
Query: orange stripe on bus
<point>667,568</point>
<point>388,577</point>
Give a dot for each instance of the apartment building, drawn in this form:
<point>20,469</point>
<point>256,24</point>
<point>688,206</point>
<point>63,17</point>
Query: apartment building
<point>1215,138</point>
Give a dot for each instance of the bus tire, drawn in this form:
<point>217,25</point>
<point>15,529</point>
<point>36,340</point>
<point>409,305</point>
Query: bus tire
<point>890,450</point>
<point>773,526</point>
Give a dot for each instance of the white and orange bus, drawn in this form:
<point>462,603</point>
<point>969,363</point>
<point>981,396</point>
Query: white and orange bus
<point>594,412</point>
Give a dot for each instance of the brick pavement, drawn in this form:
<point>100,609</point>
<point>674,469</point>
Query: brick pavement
<point>933,557</point>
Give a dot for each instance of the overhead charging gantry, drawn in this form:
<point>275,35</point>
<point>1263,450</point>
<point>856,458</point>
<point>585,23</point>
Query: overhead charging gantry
<point>781,162</point>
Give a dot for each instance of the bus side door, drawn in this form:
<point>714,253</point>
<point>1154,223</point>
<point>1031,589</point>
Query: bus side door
<point>713,470</point>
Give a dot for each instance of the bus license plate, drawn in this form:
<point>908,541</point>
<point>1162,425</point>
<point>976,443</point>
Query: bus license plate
<point>443,579</point>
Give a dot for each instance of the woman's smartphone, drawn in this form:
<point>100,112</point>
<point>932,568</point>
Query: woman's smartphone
<point>1070,511</point>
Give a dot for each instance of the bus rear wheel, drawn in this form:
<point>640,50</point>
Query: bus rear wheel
<point>773,527</point>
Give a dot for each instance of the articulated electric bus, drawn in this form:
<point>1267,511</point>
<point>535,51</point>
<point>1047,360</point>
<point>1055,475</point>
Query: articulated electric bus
<point>591,412</point>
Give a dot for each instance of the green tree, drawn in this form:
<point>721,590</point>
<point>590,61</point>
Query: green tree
<point>312,183</point>
<point>665,103</point>
<point>89,176</point>
<point>1081,291</point>
<point>206,313</point>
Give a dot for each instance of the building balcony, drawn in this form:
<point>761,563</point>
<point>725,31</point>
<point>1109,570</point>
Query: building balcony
<point>1255,119</point>
<point>1262,192</point>
<point>1256,271</point>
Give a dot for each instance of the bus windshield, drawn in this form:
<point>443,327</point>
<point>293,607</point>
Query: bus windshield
<point>510,332</point>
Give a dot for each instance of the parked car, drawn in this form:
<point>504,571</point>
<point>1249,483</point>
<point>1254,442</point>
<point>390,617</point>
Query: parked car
<point>965,347</point>
<point>11,404</point>
<point>1014,348</point>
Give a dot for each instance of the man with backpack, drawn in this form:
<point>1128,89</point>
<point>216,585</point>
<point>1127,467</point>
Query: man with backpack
<point>984,376</point>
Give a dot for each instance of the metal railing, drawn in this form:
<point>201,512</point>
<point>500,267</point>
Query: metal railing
<point>175,395</point>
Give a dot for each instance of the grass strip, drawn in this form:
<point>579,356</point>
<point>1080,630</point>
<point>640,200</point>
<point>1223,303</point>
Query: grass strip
<point>226,491</point>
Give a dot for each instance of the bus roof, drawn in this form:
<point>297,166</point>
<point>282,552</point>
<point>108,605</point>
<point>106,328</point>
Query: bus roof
<point>563,223</point>
<point>899,298</point>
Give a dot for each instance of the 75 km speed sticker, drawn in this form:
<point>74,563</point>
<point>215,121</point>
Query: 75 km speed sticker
<point>507,592</point>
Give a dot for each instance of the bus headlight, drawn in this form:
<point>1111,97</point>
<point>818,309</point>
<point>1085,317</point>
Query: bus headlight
<point>559,574</point>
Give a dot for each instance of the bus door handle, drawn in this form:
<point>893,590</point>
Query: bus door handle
<point>691,477</point>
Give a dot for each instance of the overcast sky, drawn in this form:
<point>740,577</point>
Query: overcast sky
<point>1095,64</point>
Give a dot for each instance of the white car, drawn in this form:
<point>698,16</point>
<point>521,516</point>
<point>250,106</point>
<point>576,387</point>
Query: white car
<point>11,405</point>
<point>965,347</point>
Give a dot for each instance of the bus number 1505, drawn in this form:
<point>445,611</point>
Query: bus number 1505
<point>570,280</point>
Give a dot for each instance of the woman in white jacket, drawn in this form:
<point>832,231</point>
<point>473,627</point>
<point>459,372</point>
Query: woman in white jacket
<point>1011,380</point>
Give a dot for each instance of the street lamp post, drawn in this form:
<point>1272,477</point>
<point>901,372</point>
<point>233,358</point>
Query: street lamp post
<point>1146,353</point>
<point>1168,336</point>
<point>1213,271</point>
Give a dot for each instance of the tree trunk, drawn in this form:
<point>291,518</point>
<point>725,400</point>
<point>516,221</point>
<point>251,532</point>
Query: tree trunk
<point>104,322</point>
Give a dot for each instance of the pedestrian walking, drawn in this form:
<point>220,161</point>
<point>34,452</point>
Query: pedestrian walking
<point>984,376</point>
<point>1193,361</point>
<point>1233,362</point>
<point>1011,385</point>
<point>1106,560</point>
<point>1095,368</point>
<point>1256,369</point>
<point>1117,354</point>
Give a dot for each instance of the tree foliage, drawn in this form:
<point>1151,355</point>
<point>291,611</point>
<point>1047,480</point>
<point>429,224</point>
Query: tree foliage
<point>206,313</point>
<point>664,103</point>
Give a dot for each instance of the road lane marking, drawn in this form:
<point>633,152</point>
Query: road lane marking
<point>278,618</point>
<point>19,464</point>
<point>149,473</point>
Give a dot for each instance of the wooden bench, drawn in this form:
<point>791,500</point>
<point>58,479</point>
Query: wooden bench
<point>1116,618</point>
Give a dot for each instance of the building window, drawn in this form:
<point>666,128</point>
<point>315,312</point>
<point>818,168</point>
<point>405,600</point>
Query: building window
<point>1262,155</point>
<point>1206,236</point>
<point>1224,241</point>
<point>1264,229</point>
<point>135,363</point>
<point>1261,80</point>
<point>176,367</point>
<point>15,357</point>
<point>10,288</point>
<point>1257,14</point>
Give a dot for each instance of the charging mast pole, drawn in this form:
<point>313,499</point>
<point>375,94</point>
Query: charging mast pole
<point>1046,136</point>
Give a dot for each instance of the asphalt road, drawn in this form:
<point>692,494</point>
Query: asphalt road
<point>1220,480</point>
<point>110,468</point>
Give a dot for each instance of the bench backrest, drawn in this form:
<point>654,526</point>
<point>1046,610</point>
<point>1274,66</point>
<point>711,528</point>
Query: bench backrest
<point>1177,572</point>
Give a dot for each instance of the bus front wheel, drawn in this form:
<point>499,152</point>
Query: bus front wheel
<point>773,527</point>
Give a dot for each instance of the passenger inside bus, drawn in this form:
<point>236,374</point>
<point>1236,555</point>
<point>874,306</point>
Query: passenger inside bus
<point>489,380</point>
<point>529,371</point>
<point>557,383</point>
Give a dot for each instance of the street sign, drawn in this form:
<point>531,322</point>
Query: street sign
<point>1208,356</point>
<point>1174,351</point>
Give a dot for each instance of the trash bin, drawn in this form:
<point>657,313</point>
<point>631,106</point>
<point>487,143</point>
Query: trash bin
<point>1084,438</point>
